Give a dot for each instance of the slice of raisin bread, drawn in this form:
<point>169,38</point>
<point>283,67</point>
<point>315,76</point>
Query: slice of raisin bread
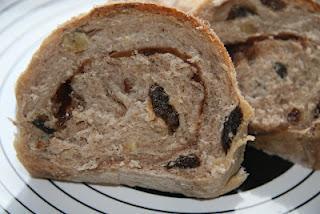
<point>275,48</point>
<point>134,94</point>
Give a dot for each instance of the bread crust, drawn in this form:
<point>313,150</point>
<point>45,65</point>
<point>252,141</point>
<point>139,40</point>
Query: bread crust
<point>309,4</point>
<point>199,187</point>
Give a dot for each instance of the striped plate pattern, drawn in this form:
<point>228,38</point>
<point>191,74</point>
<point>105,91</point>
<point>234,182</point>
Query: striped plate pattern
<point>23,25</point>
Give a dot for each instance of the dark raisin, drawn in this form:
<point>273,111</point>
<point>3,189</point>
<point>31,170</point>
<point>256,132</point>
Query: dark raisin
<point>127,85</point>
<point>40,124</point>
<point>62,103</point>
<point>316,112</point>
<point>230,128</point>
<point>238,11</point>
<point>280,69</point>
<point>294,116</point>
<point>184,162</point>
<point>162,108</point>
<point>275,5</point>
<point>196,77</point>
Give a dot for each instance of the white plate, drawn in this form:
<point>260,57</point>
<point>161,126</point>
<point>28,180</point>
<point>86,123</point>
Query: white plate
<point>278,188</point>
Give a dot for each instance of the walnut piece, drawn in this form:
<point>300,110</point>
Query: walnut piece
<point>75,41</point>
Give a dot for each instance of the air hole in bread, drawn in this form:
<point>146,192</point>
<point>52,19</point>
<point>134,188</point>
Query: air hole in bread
<point>240,11</point>
<point>184,162</point>
<point>275,5</point>
<point>230,128</point>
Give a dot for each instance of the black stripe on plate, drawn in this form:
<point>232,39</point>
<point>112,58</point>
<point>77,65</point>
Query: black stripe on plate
<point>127,203</point>
<point>254,154</point>
<point>4,209</point>
<point>15,198</point>
<point>62,190</point>
<point>35,192</point>
<point>9,6</point>
<point>304,203</point>
<point>281,194</point>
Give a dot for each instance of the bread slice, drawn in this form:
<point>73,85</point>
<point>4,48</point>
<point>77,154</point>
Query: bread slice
<point>275,48</point>
<point>134,94</point>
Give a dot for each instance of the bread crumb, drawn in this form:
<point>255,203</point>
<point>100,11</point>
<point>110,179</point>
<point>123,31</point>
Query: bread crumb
<point>92,164</point>
<point>217,3</point>
<point>195,59</point>
<point>135,164</point>
<point>221,169</point>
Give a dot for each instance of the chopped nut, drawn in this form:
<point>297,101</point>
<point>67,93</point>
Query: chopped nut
<point>131,147</point>
<point>135,164</point>
<point>75,41</point>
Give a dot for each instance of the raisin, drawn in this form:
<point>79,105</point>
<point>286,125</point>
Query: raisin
<point>280,69</point>
<point>275,5</point>
<point>62,103</point>
<point>294,116</point>
<point>316,112</point>
<point>127,85</point>
<point>238,11</point>
<point>184,162</point>
<point>196,77</point>
<point>162,108</point>
<point>40,124</point>
<point>230,128</point>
